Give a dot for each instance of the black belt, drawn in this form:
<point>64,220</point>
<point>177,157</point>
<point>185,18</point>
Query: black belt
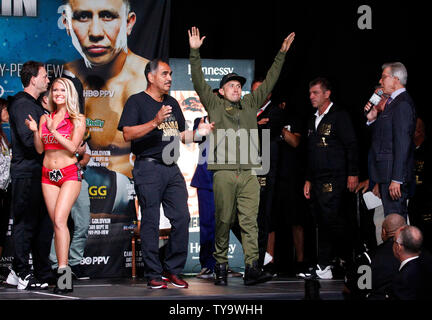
<point>149,159</point>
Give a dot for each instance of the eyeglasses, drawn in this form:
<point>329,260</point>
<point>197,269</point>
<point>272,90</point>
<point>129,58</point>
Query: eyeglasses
<point>384,76</point>
<point>395,241</point>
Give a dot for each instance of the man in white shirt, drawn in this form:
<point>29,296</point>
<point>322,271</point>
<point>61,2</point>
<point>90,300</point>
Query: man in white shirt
<point>332,171</point>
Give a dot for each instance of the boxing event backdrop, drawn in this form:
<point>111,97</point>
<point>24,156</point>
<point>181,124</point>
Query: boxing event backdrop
<point>34,30</point>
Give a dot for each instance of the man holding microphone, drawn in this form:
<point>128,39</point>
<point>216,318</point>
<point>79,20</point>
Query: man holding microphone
<point>391,155</point>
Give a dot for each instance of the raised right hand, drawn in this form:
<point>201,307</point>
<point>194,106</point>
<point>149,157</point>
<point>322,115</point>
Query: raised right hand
<point>194,38</point>
<point>286,44</point>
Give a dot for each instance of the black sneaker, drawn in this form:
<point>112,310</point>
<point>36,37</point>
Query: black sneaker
<point>78,273</point>
<point>4,272</point>
<point>270,268</point>
<point>254,275</point>
<point>302,271</point>
<point>29,282</point>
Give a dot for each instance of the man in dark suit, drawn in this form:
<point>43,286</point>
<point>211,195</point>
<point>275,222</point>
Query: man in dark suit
<point>332,169</point>
<point>392,149</point>
<point>384,265</point>
<point>407,244</point>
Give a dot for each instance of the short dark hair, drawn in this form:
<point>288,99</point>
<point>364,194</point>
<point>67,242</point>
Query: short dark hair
<point>30,69</point>
<point>323,82</point>
<point>152,66</point>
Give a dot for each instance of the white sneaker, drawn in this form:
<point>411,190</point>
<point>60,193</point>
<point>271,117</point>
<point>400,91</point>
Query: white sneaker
<point>325,273</point>
<point>23,282</point>
<point>267,258</point>
<point>12,278</point>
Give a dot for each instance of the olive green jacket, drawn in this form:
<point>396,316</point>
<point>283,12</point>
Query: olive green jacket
<point>234,141</point>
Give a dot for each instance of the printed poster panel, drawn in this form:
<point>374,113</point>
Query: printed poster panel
<point>50,31</point>
<point>109,61</point>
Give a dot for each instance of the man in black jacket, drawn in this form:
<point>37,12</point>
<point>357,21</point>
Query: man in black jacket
<point>332,168</point>
<point>32,229</point>
<point>269,117</point>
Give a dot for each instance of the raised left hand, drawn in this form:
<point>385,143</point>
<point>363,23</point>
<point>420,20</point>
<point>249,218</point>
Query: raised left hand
<point>195,41</point>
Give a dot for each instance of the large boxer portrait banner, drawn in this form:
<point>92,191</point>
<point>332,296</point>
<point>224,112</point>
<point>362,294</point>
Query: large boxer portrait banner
<point>106,45</point>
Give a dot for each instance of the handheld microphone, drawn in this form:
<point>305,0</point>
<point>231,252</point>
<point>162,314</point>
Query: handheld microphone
<point>374,100</point>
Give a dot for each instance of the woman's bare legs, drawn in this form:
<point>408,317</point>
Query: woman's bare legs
<point>59,202</point>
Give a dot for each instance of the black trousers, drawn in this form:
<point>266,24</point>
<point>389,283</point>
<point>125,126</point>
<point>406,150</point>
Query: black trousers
<point>5,200</point>
<point>32,228</point>
<point>264,220</point>
<point>332,218</point>
<point>156,183</point>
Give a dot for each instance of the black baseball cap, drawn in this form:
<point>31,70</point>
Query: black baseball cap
<point>230,77</point>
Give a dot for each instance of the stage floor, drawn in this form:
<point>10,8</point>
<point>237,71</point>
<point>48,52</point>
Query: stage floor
<point>280,288</point>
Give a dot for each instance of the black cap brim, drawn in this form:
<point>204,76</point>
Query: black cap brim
<point>238,78</point>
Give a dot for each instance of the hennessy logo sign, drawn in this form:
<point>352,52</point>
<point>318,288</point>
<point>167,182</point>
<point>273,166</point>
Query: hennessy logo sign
<point>214,71</point>
<point>19,8</point>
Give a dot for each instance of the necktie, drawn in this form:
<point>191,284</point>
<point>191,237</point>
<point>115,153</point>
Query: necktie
<point>388,101</point>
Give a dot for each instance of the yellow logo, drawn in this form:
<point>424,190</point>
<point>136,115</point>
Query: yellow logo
<point>97,191</point>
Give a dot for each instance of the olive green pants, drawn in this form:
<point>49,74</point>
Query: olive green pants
<point>236,193</point>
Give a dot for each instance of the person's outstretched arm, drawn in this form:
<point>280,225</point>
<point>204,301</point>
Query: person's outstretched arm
<point>205,92</point>
<point>273,73</point>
